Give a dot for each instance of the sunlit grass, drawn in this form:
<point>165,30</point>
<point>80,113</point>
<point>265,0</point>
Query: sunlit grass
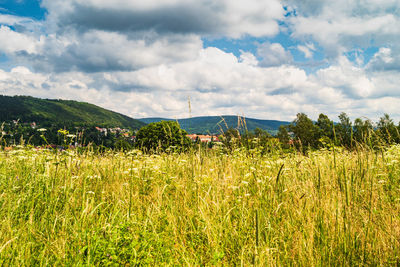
<point>199,208</point>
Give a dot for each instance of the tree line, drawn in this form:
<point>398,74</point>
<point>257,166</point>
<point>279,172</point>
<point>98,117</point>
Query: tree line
<point>61,136</point>
<point>302,134</point>
<point>324,132</point>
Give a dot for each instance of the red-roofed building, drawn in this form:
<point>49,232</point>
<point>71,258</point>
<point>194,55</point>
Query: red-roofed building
<point>203,138</point>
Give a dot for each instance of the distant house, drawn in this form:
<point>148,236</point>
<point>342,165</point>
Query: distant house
<point>192,137</point>
<point>102,130</point>
<point>123,132</point>
<point>203,138</point>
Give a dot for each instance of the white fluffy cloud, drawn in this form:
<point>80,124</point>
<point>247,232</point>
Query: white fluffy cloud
<point>12,42</point>
<point>145,58</point>
<point>340,25</point>
<point>93,36</point>
<point>217,83</point>
<point>346,77</point>
<point>307,50</point>
<point>273,54</point>
<point>386,59</point>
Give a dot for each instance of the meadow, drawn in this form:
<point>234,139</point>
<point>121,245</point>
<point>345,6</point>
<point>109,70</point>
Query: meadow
<point>204,207</point>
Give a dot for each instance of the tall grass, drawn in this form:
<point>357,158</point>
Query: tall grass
<point>200,208</point>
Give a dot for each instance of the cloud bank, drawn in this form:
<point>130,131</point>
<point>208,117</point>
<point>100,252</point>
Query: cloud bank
<point>145,58</point>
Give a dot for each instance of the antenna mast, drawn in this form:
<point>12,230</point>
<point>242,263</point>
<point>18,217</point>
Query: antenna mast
<point>190,113</point>
<point>190,108</point>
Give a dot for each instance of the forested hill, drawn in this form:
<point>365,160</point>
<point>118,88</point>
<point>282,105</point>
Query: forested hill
<point>218,124</point>
<point>61,112</point>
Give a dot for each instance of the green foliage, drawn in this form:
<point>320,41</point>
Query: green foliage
<point>259,137</point>
<point>255,142</point>
<point>123,144</point>
<point>230,138</point>
<point>163,135</point>
<point>260,133</point>
<point>364,131</point>
<point>344,130</point>
<point>56,135</point>
<point>325,126</point>
<point>387,130</point>
<point>283,136</point>
<point>305,132</point>
<point>80,120</point>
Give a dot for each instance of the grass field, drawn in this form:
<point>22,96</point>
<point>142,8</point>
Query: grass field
<point>200,208</point>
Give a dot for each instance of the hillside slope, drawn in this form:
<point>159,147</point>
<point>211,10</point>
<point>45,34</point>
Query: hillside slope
<point>64,112</point>
<point>217,124</point>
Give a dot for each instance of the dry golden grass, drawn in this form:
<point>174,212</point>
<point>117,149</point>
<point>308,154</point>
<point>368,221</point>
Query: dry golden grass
<point>200,208</point>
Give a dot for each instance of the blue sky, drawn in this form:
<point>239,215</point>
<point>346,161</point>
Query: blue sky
<point>262,59</point>
<point>25,8</point>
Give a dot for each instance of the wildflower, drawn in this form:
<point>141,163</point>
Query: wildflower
<point>41,130</point>
<point>64,132</point>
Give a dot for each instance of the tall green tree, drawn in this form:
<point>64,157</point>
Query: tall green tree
<point>325,130</point>
<point>363,130</point>
<point>260,133</point>
<point>387,130</point>
<point>231,138</point>
<point>344,130</point>
<point>283,136</point>
<point>159,136</point>
<point>304,131</point>
<point>325,126</point>
<point>256,138</point>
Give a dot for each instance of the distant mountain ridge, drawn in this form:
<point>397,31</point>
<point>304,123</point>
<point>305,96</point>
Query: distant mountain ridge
<point>70,112</point>
<point>63,112</point>
<point>218,124</point>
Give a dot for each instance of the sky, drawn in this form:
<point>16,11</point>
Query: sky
<point>261,59</point>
